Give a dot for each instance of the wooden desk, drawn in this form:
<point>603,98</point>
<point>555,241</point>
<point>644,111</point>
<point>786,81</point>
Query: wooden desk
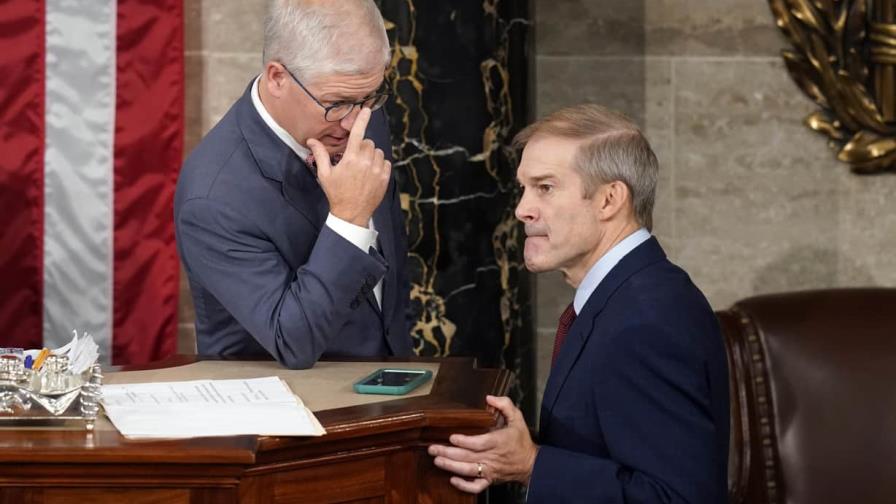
<point>371,453</point>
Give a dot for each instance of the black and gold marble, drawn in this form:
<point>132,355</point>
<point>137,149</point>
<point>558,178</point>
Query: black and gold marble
<point>459,76</point>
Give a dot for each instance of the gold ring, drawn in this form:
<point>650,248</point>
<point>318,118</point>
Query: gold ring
<point>479,469</point>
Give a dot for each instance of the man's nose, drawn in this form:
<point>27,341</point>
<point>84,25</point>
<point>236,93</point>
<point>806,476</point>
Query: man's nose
<point>524,210</point>
<point>348,121</point>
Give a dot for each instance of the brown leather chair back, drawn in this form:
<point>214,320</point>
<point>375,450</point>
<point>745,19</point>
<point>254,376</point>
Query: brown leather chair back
<point>813,404</point>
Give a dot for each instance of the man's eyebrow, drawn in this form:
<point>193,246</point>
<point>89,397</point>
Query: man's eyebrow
<point>541,178</point>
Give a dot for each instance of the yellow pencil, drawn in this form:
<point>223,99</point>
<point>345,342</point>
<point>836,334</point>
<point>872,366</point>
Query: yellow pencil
<point>41,357</point>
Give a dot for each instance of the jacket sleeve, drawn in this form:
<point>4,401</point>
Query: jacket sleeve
<point>653,403</point>
<point>291,313</point>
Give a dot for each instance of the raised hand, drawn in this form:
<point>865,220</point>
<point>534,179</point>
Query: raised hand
<point>356,185</point>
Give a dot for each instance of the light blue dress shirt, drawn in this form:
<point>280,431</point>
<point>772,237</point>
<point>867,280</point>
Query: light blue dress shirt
<point>603,266</point>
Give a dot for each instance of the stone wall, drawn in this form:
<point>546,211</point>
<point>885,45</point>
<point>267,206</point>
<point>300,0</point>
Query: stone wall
<point>750,201</point>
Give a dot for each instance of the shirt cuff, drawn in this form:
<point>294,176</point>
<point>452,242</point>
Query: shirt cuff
<point>361,237</point>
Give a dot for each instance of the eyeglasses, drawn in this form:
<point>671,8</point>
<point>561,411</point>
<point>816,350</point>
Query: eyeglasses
<point>341,109</point>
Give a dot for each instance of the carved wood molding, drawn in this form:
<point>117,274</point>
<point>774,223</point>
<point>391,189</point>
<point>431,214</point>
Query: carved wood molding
<point>844,58</point>
<point>768,448</point>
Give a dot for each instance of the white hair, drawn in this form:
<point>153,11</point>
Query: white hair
<point>314,38</point>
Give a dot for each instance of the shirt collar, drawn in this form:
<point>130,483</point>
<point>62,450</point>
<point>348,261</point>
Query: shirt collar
<point>281,133</point>
<point>603,266</point>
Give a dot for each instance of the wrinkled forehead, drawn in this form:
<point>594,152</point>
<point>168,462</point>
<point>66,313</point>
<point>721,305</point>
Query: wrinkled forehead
<point>546,155</point>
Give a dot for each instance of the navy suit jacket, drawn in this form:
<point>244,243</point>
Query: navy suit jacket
<point>267,275</point>
<point>636,407</point>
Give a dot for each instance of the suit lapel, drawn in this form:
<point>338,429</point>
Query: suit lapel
<point>583,328</point>
<point>572,347</point>
<point>302,192</point>
<point>276,161</point>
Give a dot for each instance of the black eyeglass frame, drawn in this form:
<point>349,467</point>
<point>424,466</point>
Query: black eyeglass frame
<point>374,102</point>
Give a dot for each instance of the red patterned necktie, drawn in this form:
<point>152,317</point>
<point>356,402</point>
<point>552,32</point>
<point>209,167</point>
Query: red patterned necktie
<point>334,160</point>
<point>566,320</point>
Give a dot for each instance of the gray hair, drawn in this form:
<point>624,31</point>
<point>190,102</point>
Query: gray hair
<point>314,38</point>
<point>612,148</point>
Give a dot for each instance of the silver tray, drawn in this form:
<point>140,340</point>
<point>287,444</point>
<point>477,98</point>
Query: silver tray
<point>28,397</point>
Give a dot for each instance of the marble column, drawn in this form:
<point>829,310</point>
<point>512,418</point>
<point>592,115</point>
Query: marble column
<point>459,77</point>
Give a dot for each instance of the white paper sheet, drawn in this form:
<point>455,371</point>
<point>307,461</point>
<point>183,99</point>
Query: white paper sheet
<point>260,406</point>
<point>82,352</point>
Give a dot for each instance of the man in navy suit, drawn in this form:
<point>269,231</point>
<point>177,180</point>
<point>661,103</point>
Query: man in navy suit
<point>287,219</point>
<point>636,404</point>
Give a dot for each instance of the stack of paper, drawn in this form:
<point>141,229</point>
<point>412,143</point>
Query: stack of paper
<point>82,352</point>
<point>262,406</point>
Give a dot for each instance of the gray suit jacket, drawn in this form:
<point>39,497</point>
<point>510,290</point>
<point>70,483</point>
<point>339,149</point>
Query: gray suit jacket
<point>267,276</point>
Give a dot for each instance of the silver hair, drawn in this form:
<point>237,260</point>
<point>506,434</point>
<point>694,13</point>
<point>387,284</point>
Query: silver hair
<point>612,148</point>
<point>315,38</point>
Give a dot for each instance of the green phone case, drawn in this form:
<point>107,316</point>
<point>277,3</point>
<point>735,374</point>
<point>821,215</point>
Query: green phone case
<point>362,388</point>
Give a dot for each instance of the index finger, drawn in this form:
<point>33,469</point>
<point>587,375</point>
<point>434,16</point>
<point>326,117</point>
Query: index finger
<point>478,443</point>
<point>356,135</point>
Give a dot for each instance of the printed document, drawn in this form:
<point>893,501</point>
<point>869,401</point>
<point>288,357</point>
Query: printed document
<point>199,408</point>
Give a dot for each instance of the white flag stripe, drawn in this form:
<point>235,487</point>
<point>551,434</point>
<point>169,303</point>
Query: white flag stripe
<point>78,171</point>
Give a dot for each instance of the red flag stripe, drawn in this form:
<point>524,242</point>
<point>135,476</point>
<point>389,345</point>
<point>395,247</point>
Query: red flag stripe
<point>21,172</point>
<point>148,153</point>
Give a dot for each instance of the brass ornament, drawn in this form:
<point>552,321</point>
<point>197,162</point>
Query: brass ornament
<point>844,58</point>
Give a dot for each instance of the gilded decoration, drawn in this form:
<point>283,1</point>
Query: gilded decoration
<point>844,58</point>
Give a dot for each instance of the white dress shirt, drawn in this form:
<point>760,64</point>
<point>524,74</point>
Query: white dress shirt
<point>361,237</point>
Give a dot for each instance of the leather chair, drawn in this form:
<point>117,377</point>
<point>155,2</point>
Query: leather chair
<point>813,397</point>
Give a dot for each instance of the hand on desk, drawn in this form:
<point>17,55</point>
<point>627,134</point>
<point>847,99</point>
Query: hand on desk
<point>504,454</point>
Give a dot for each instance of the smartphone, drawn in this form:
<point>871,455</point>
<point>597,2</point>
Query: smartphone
<point>392,381</point>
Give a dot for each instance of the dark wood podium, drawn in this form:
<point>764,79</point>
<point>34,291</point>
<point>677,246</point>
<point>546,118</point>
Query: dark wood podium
<point>371,453</point>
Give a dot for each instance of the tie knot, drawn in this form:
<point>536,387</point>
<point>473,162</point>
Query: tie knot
<point>312,164</point>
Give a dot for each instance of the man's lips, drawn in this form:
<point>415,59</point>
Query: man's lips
<point>535,231</point>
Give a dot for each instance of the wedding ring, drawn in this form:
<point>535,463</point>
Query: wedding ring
<point>479,469</point>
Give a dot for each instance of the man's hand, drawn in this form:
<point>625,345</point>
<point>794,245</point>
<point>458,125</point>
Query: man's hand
<point>505,454</point>
<point>355,186</point>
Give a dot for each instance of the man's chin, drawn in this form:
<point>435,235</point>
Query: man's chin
<point>535,266</point>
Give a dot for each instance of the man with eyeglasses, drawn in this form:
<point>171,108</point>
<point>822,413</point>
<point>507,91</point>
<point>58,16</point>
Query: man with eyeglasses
<point>288,221</point>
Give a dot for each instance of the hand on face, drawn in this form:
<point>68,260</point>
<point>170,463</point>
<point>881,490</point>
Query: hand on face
<point>504,454</point>
<point>356,185</point>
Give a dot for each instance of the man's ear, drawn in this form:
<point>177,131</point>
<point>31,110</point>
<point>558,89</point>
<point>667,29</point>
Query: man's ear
<point>611,199</point>
<point>276,79</point>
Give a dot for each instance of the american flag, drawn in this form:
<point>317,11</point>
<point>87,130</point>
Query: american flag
<point>91,139</point>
